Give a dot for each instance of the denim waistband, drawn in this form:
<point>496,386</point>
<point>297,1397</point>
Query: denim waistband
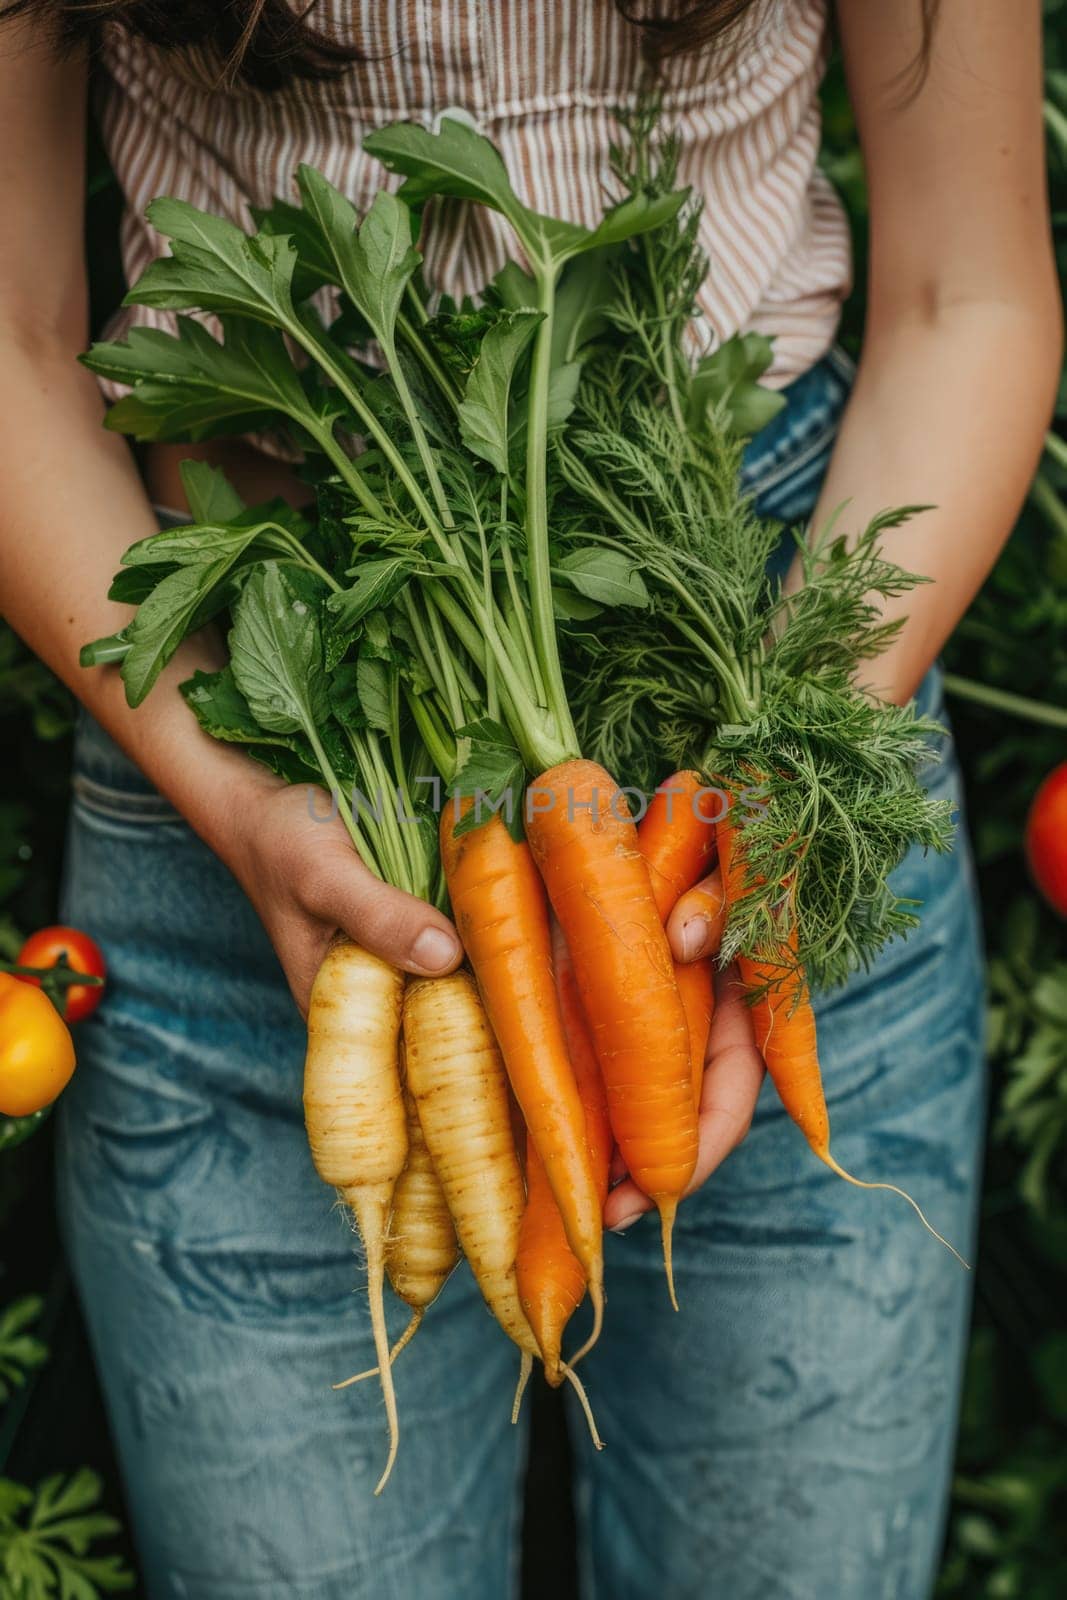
<point>784,465</point>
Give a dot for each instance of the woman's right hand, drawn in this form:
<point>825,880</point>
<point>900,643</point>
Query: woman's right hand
<point>295,862</point>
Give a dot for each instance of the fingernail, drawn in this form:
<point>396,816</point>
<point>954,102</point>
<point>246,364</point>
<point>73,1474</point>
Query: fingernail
<point>623,1227</point>
<point>694,937</point>
<point>434,950</point>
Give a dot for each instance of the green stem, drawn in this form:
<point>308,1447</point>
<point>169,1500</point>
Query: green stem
<point>734,696</point>
<point>407,868</point>
<point>435,736</point>
<point>1049,503</point>
<point>418,433</point>
<point>453,698</point>
<point>667,360</point>
<point>489,600</point>
<point>1057,448</point>
<point>529,654</point>
<point>1015,705</point>
<point>536,734</point>
<point>419,311</point>
<point>301,555</point>
<point>542,612</point>
<point>426,358</point>
<point>352,828</point>
<point>340,378</point>
<point>1056,123</point>
<point>479,646</point>
<point>427,653</point>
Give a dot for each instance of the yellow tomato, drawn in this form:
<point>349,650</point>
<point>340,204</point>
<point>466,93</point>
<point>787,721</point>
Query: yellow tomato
<point>36,1050</point>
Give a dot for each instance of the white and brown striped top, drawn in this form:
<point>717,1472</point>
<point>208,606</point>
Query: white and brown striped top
<point>542,78</point>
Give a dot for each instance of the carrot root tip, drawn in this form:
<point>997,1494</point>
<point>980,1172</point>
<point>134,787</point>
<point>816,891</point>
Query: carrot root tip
<point>892,1188</point>
<point>405,1338</point>
<point>667,1212</point>
<point>370,1220</point>
<point>525,1368</point>
<point>596,1296</point>
<point>583,1401</point>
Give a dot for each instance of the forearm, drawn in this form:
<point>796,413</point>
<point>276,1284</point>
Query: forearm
<point>949,412</point>
<point>70,503</point>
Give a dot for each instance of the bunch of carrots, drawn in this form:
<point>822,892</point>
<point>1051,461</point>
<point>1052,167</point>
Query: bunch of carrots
<point>434,614</point>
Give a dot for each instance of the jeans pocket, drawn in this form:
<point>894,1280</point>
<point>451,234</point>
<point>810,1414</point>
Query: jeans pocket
<point>120,805</point>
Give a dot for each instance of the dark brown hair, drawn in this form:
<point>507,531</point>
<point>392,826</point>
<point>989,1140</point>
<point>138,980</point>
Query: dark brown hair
<point>268,42</point>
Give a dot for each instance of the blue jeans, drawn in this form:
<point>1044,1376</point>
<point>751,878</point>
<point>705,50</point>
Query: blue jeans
<point>788,1436</point>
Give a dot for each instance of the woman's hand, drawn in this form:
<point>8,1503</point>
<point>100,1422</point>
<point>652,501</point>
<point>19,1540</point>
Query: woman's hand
<point>297,865</point>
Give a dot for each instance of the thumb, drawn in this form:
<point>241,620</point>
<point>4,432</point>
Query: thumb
<point>389,922</point>
<point>695,926</point>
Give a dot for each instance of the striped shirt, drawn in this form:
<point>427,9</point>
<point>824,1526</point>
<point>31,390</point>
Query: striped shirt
<point>544,81</point>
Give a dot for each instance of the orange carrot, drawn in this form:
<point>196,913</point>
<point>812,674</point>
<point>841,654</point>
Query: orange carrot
<point>551,1279</point>
<point>677,836</point>
<point>784,1023</point>
<point>677,839</point>
<point>696,986</point>
<point>584,841</point>
<point>502,916</point>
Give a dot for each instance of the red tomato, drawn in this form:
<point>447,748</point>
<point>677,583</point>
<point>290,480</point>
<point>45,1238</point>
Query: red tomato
<point>1046,838</point>
<point>45,947</point>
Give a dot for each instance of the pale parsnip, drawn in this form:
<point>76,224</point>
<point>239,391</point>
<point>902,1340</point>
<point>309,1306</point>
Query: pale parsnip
<point>354,1112</point>
<point>456,1076</point>
<point>420,1247</point>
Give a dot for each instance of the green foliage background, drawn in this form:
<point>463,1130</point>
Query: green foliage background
<point>1007,1538</point>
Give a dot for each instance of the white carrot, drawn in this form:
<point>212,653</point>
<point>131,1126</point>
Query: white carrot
<point>354,1112</point>
<point>420,1245</point>
<point>456,1075</point>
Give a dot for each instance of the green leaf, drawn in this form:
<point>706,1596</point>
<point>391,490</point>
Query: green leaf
<point>459,162</point>
<point>493,773</point>
<point>112,648</point>
<point>374,265</point>
<point>134,584</point>
<point>46,1540</point>
<point>224,713</point>
<point>216,267</point>
<point>276,655</point>
<point>376,583</point>
<point>191,386</point>
<point>14,1497</point>
<point>607,576</point>
<point>16,1130</point>
<point>315,265</point>
<point>192,545</point>
<point>275,526</point>
<point>562,388</point>
<point>222,710</point>
<point>569,606</point>
<point>20,1351</point>
<point>483,415</point>
<point>585,288</point>
<point>455,161</point>
<point>637,214</point>
<point>211,495</point>
<point>373,691</point>
<point>1050,1368</point>
<point>729,378</point>
<point>177,606</point>
<point>515,288</point>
